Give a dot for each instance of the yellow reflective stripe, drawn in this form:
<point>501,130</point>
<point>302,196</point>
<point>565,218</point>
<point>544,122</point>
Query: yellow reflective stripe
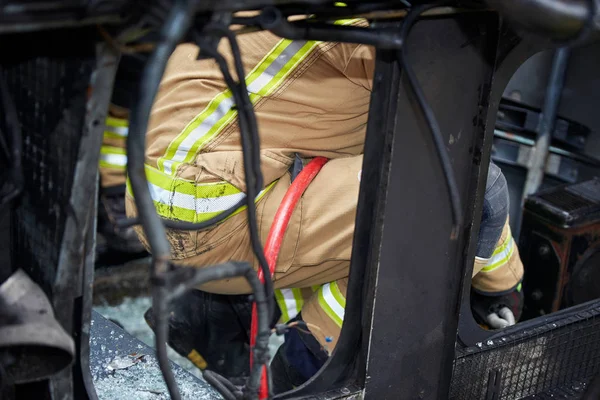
<point>290,302</point>
<point>213,106</point>
<point>500,257</point>
<point>285,316</point>
<point>330,305</point>
<point>198,211</point>
<point>116,128</point>
<point>504,245</point>
<point>346,21</point>
<point>113,157</point>
<point>335,290</point>
<point>255,95</point>
<point>112,135</point>
<point>112,150</point>
<point>299,299</point>
<point>109,164</point>
<point>186,186</point>
<point>117,122</point>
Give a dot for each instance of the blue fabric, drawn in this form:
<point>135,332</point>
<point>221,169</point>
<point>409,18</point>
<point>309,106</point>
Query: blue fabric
<point>495,212</point>
<point>304,353</point>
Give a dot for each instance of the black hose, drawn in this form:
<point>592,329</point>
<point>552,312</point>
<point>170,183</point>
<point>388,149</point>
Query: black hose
<point>174,30</point>
<point>272,20</point>
<point>436,132</point>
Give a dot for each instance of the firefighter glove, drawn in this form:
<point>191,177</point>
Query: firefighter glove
<point>497,311</point>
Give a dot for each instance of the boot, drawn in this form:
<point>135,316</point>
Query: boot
<point>212,331</point>
<point>33,345</point>
<point>111,210</point>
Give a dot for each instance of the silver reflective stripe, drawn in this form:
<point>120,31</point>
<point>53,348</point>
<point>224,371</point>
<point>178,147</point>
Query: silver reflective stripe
<point>290,303</point>
<point>114,159</point>
<point>118,130</point>
<point>198,133</point>
<point>332,302</point>
<point>191,202</point>
<point>501,257</point>
<point>276,66</point>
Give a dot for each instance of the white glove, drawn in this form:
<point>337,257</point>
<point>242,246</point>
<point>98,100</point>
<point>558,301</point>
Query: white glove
<point>502,319</point>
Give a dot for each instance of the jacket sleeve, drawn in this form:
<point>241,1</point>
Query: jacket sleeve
<point>503,271</point>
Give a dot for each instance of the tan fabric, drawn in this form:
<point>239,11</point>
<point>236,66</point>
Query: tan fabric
<point>503,275</point>
<point>327,331</point>
<point>478,265</point>
<point>321,110</point>
<point>318,111</point>
<point>317,244</point>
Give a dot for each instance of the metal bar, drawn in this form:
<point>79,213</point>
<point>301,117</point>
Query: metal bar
<point>347,366</point>
<point>559,19</point>
<point>84,189</point>
<point>535,173</point>
<point>83,382</point>
<point>87,283</point>
<point>420,273</point>
<point>580,157</point>
<point>513,51</point>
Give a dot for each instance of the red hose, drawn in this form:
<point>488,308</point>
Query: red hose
<point>275,238</point>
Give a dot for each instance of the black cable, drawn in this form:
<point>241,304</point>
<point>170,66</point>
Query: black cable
<point>222,385</point>
<point>218,385</point>
<point>173,31</point>
<point>436,132</point>
<point>273,20</point>
<point>251,151</point>
<point>254,161</point>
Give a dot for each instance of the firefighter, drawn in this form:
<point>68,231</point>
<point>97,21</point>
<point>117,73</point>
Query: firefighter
<point>311,99</point>
<point>113,162</point>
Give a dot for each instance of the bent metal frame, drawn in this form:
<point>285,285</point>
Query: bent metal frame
<point>407,320</point>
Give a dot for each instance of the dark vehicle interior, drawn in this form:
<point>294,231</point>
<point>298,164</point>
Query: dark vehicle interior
<point>456,84</point>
